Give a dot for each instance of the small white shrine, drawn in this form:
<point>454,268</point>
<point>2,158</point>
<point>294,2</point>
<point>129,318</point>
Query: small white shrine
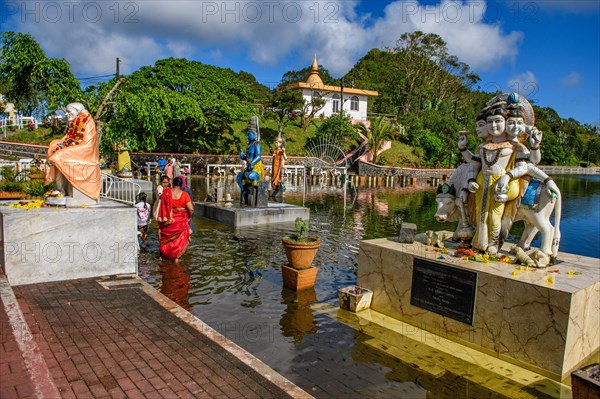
<point>350,99</point>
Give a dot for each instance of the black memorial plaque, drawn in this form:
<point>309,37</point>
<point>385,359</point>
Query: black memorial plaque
<point>445,290</point>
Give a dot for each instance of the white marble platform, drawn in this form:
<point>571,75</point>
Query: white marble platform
<point>57,243</point>
<point>546,320</point>
<point>236,215</point>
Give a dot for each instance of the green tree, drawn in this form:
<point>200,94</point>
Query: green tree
<point>283,104</point>
<point>336,129</point>
<point>432,145</point>
<point>309,110</point>
<point>31,80</point>
<point>426,70</point>
<point>179,106</point>
<point>417,71</point>
<point>260,92</point>
<point>380,131</point>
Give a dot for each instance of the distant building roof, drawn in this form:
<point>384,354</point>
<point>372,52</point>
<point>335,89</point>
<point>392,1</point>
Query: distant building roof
<point>314,82</point>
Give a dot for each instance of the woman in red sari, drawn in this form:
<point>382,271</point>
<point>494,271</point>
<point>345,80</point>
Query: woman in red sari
<point>173,229</point>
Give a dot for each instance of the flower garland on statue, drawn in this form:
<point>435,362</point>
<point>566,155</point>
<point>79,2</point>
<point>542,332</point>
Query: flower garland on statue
<point>74,135</point>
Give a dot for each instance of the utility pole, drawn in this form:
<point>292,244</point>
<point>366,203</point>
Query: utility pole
<point>342,97</point>
<point>118,73</point>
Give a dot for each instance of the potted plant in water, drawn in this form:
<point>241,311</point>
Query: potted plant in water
<point>301,249</point>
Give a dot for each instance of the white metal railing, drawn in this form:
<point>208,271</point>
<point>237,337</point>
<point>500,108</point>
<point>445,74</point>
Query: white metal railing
<point>570,170</point>
<point>222,170</point>
<point>294,170</point>
<point>151,167</point>
<point>18,122</point>
<point>22,167</point>
<point>118,189</point>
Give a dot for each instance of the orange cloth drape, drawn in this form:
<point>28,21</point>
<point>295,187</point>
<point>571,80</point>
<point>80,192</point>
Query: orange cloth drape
<point>78,159</point>
<point>174,229</point>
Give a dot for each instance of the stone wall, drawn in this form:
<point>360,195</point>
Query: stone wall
<point>369,169</point>
<point>22,150</point>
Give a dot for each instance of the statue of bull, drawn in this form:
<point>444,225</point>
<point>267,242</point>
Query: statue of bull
<point>536,216</point>
<point>452,202</point>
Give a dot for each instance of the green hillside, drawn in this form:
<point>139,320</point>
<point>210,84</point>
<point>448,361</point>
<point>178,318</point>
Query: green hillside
<point>426,94</point>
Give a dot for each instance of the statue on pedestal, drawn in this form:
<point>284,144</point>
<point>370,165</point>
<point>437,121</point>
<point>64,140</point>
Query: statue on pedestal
<point>73,161</point>
<point>505,183</point>
<point>123,160</point>
<point>253,172</point>
<point>279,158</point>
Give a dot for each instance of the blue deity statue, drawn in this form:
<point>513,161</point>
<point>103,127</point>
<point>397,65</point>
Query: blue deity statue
<point>253,171</point>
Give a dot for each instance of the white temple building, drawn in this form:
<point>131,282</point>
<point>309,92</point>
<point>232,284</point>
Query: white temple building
<point>353,101</point>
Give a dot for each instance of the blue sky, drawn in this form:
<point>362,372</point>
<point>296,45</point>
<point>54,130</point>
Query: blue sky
<point>547,50</point>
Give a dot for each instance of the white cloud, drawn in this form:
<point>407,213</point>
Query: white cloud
<point>482,46</point>
<point>180,49</point>
<point>262,32</point>
<point>571,80</point>
<point>525,84</point>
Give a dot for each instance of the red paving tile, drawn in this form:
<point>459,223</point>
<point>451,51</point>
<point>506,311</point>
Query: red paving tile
<point>14,377</point>
<point>119,343</point>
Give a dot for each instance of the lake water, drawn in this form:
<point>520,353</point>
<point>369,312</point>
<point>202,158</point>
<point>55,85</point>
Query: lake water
<point>231,279</point>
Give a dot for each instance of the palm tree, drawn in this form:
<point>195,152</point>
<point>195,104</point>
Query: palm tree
<point>377,134</point>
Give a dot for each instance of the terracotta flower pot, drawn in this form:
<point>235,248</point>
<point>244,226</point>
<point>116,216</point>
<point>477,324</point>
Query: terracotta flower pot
<point>301,254</point>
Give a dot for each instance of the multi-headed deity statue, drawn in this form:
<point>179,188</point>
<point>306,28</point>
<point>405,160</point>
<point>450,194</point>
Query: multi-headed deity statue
<point>500,183</point>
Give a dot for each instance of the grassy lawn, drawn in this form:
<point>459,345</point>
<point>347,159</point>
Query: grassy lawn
<point>400,154</point>
<point>295,138</point>
<point>42,135</point>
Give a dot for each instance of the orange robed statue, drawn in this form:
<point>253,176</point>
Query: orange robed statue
<point>73,161</point>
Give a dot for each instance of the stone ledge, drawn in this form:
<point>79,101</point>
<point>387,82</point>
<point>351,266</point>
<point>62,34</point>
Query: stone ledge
<point>239,216</point>
<point>522,318</point>
<point>54,244</point>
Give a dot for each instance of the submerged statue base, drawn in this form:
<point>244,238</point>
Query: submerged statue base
<point>237,215</point>
<point>544,321</point>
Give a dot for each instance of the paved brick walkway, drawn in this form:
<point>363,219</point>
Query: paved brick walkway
<point>14,379</point>
<point>114,338</point>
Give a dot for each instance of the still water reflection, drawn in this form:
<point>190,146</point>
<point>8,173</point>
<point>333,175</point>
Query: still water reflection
<point>231,279</point>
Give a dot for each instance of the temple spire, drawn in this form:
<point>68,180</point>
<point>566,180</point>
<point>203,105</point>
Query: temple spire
<point>314,79</point>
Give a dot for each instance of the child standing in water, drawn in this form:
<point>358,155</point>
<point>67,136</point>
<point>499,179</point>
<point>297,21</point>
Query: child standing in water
<point>143,217</point>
